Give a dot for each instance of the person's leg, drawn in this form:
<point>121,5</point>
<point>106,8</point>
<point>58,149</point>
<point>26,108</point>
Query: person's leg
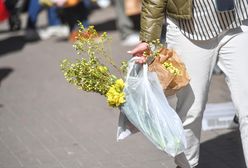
<point>233,61</point>
<point>74,14</point>
<point>199,58</point>
<point>14,7</point>
<point>123,22</point>
<point>81,14</point>
<point>34,9</point>
<point>125,26</point>
<point>55,27</point>
<point>53,18</point>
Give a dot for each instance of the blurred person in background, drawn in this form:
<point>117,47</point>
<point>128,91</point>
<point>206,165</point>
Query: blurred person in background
<point>72,12</point>
<point>15,8</point>
<point>202,32</point>
<point>125,26</point>
<point>55,28</point>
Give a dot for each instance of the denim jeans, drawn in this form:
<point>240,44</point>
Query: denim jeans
<point>35,8</point>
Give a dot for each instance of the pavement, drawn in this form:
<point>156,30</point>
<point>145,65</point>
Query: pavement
<point>47,123</point>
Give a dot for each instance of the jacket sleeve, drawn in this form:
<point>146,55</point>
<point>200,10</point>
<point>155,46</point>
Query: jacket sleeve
<point>152,17</point>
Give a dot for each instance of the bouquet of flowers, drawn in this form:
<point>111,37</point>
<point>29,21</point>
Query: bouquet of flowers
<point>139,96</point>
<point>89,73</point>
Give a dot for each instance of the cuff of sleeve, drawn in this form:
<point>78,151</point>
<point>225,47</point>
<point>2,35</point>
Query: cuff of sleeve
<point>148,37</point>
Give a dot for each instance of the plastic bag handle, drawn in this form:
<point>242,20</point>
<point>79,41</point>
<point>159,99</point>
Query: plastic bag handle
<point>131,64</point>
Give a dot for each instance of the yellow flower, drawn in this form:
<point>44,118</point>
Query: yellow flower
<point>115,95</point>
<point>119,84</point>
<point>102,69</point>
<point>175,71</point>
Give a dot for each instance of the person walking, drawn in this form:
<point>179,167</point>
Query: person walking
<point>202,32</point>
<point>125,26</point>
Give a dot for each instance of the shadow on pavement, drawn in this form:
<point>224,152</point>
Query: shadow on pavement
<point>11,44</point>
<point>4,31</point>
<point>224,151</point>
<point>4,72</point>
<point>108,25</point>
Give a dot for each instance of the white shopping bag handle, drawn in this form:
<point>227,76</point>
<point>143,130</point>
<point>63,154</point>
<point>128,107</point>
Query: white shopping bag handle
<point>131,65</point>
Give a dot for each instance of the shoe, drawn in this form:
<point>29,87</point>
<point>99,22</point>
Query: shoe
<point>54,31</point>
<point>103,3</point>
<point>31,35</point>
<point>131,40</point>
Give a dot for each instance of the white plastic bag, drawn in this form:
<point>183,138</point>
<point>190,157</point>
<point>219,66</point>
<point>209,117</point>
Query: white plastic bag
<point>148,110</point>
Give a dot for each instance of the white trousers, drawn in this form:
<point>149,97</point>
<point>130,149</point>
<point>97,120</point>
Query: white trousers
<point>230,49</point>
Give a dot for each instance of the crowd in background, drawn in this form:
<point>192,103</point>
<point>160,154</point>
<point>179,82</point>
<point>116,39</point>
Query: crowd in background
<point>63,17</point>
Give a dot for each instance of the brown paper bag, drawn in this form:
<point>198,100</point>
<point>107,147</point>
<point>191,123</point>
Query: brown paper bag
<point>170,82</point>
<point>164,76</point>
<point>132,7</point>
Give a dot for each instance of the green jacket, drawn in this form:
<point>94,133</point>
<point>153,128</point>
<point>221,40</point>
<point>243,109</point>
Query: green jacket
<point>153,14</point>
